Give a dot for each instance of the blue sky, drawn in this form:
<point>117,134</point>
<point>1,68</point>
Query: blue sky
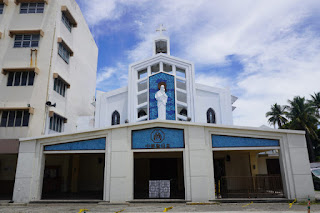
<point>265,51</point>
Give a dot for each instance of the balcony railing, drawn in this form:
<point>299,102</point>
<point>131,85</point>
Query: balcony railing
<point>260,186</point>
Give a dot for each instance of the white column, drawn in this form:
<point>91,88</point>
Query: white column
<point>121,175</point>
<point>201,165</point>
<point>26,166</point>
<point>161,66</point>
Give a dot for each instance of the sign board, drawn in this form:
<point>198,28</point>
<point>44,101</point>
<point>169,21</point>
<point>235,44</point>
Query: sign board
<point>93,144</point>
<point>219,141</point>
<point>157,138</point>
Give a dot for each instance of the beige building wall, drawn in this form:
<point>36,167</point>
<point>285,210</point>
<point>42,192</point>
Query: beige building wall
<point>80,73</point>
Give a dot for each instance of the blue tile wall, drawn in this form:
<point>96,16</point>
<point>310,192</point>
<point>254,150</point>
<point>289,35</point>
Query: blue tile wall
<point>157,138</point>
<point>230,141</point>
<point>95,144</point>
<point>153,88</point>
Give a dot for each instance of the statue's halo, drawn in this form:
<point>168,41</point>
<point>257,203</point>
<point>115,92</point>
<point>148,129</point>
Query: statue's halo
<point>164,84</point>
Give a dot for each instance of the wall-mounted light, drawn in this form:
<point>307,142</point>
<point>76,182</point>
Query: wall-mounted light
<point>49,104</point>
<point>228,158</point>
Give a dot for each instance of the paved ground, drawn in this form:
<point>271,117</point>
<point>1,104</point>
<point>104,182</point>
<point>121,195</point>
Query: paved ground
<point>160,207</point>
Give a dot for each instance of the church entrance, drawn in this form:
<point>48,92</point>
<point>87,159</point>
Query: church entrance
<point>73,176</point>
<point>158,175</point>
<point>247,174</point>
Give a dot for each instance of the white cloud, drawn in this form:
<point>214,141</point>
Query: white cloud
<point>97,11</point>
<point>100,10</point>
<point>105,73</point>
<point>112,77</point>
<point>213,80</point>
<point>272,39</point>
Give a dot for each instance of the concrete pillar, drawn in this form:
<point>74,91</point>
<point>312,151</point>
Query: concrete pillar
<point>201,165</point>
<point>254,163</point>
<point>121,172</point>
<point>27,162</point>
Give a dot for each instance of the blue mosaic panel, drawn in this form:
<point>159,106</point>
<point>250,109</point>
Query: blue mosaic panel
<point>157,138</point>
<point>229,141</point>
<point>153,89</point>
<point>95,144</point>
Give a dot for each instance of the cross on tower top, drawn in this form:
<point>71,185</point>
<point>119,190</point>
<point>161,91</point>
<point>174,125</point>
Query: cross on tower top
<point>161,29</point>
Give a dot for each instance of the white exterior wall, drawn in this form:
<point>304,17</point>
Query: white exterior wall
<point>107,103</point>
<point>217,99</point>
<point>197,160</point>
<point>80,73</point>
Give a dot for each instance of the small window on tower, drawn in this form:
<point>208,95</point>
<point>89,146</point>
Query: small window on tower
<point>141,113</point>
<point>184,112</point>
<point>142,85</point>
<point>142,98</point>
<point>181,84</point>
<point>161,47</point>
<point>142,73</point>
<point>167,68</point>
<point>155,68</point>
<point>181,72</point>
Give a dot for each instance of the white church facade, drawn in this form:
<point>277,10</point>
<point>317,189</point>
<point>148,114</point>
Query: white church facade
<point>164,137</point>
<point>186,99</point>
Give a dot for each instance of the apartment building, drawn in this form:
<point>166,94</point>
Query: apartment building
<point>48,63</point>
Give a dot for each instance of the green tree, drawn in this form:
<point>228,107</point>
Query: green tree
<point>315,102</point>
<point>277,115</point>
<point>303,117</point>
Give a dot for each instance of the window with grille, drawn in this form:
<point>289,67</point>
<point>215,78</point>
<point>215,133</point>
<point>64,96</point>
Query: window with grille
<point>31,8</point>
<point>1,8</point>
<point>115,118</point>
<point>21,78</point>
<point>211,116</point>
<point>14,118</point>
<point>64,53</point>
<point>57,123</point>
<point>26,40</point>
<point>60,86</point>
<point>66,21</point>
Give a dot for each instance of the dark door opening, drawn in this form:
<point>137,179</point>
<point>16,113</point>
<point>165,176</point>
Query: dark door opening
<point>273,167</point>
<point>73,176</point>
<point>158,175</point>
<point>219,172</point>
<point>8,165</point>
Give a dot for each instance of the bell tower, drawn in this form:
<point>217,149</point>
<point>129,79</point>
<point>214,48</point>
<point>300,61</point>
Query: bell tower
<point>161,43</point>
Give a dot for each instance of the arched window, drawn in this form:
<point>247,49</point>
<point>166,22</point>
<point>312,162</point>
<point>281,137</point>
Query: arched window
<point>184,112</point>
<point>141,113</point>
<point>115,118</point>
<point>211,116</point>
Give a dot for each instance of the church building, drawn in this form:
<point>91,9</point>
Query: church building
<point>164,137</point>
<point>187,100</point>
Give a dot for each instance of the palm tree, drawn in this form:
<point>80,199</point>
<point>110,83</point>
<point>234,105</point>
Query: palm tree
<point>315,102</point>
<point>302,116</point>
<point>276,115</point>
